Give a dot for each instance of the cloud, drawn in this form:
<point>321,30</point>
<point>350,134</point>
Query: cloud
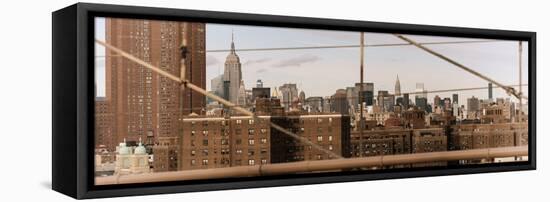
<point>211,60</point>
<point>261,60</point>
<point>297,61</point>
<point>262,70</point>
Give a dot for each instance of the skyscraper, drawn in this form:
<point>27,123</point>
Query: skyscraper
<point>490,91</point>
<point>406,100</point>
<point>397,87</point>
<point>195,35</point>
<point>367,95</point>
<point>232,74</point>
<point>217,85</point>
<point>421,92</point>
<point>289,93</point>
<point>385,100</point>
<point>455,98</point>
<point>473,104</point>
<point>421,103</point>
<point>143,103</point>
<point>339,102</point>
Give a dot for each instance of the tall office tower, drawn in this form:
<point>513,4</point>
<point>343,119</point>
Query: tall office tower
<point>368,93</point>
<point>194,33</point>
<point>339,102</point>
<point>385,100</point>
<point>455,98</point>
<point>144,103</point>
<point>216,85</point>
<point>397,87</point>
<point>421,92</point>
<point>289,93</point>
<point>232,75</point>
<point>421,103</point>
<point>473,104</point>
<point>406,101</point>
<point>490,91</point>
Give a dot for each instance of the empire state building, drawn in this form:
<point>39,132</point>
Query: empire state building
<point>232,75</point>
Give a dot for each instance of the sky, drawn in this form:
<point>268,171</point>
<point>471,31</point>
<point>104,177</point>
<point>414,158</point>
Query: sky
<point>320,72</point>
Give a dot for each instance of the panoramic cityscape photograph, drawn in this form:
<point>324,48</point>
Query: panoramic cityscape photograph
<point>177,101</point>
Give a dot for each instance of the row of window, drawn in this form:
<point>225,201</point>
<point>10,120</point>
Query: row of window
<point>251,141</point>
<point>237,151</point>
<point>251,162</point>
<point>252,121</point>
<point>238,131</point>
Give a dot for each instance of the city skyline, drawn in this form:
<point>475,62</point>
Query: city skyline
<point>382,64</point>
<point>155,117</point>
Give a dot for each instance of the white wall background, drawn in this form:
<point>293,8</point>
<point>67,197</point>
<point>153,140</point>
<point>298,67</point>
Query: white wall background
<point>25,102</point>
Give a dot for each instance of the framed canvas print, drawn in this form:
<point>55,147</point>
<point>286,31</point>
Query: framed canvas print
<point>156,100</point>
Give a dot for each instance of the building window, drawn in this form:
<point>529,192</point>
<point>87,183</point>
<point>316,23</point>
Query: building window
<point>263,140</point>
<point>250,141</point>
<point>264,161</point>
<point>251,162</point>
<point>251,121</point>
<point>204,142</point>
<point>192,133</point>
<point>330,138</point>
<point>239,151</point>
<point>330,120</point>
<point>263,130</point>
<point>205,152</point>
<point>193,162</point>
<point>330,147</point>
<point>205,162</point>
<point>205,132</point>
<point>319,138</point>
<point>319,157</point>
<point>238,121</point>
<point>251,131</point>
<point>192,152</point>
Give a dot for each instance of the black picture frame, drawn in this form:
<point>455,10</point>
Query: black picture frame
<point>73,105</point>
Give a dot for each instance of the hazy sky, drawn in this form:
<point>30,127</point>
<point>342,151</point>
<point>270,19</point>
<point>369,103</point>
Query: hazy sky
<point>321,72</point>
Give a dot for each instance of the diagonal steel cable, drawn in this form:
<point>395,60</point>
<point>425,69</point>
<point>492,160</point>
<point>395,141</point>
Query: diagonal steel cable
<point>509,90</point>
<point>348,46</point>
<point>198,89</point>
